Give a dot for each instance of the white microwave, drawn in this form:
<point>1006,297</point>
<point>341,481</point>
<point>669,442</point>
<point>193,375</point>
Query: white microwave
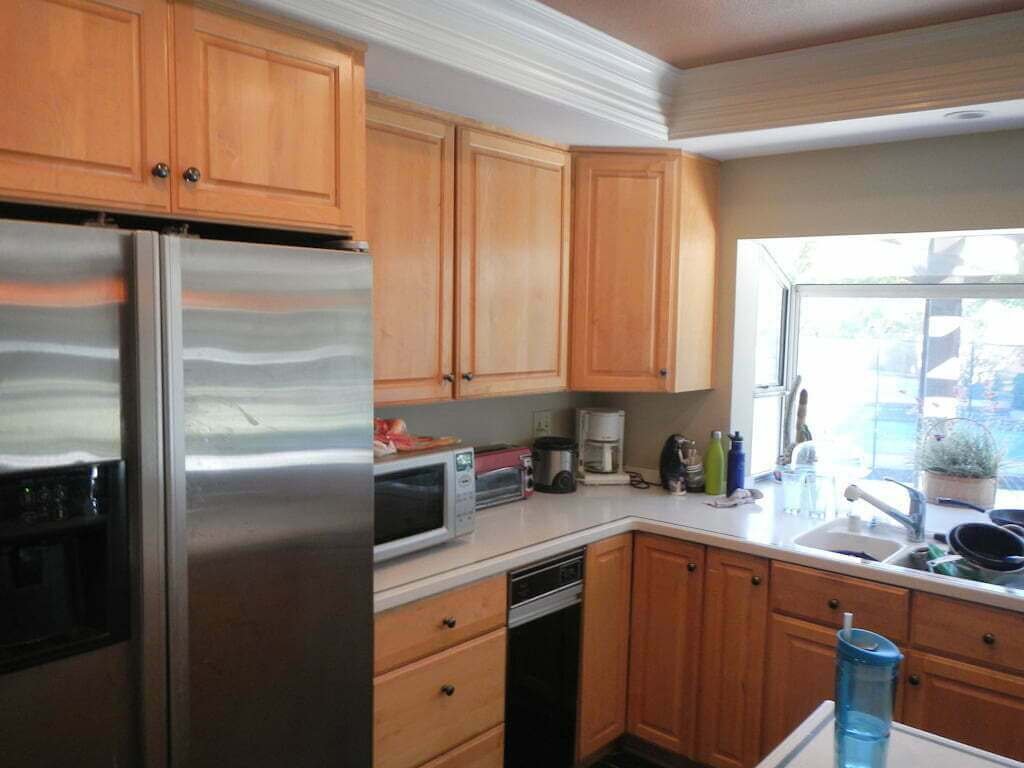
<point>422,499</point>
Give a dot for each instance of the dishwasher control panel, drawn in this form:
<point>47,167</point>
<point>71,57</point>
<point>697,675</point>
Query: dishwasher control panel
<point>544,578</point>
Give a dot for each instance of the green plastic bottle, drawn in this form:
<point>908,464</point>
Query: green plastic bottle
<point>714,466</point>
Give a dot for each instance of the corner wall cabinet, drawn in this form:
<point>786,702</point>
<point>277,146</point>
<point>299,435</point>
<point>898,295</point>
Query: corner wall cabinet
<point>472,302</point>
<point>644,261</point>
<point>266,123</point>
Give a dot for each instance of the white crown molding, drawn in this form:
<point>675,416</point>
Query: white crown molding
<point>943,66</point>
<point>519,43</point>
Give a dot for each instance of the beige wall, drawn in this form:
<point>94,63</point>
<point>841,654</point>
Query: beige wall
<point>494,420</point>
<point>962,182</point>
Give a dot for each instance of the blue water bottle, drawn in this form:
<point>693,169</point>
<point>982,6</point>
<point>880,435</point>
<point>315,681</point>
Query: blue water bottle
<point>737,464</point>
<point>867,665</point>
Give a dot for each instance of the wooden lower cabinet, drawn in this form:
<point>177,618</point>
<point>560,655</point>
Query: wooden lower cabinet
<point>604,653</point>
<point>966,703</point>
<point>485,751</point>
<point>733,659</point>
<point>801,671</point>
<point>427,708</point>
<point>664,659</point>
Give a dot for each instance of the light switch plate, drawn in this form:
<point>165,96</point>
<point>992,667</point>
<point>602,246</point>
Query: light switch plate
<point>541,423</point>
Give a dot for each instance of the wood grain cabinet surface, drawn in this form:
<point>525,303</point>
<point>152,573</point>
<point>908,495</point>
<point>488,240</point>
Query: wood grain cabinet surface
<point>604,657</point>
<point>644,260</point>
<point>427,708</point>
<point>220,115</point>
<point>272,120</point>
<point>733,659</point>
<point>485,751</point>
<point>85,115</point>
<point>512,251</point>
<point>411,223</point>
<point>967,703</point>
<point>664,663</point>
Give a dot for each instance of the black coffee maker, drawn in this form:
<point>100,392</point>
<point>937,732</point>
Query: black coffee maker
<point>672,466</point>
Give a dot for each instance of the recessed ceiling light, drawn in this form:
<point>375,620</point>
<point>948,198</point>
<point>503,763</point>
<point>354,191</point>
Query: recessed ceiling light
<point>967,114</point>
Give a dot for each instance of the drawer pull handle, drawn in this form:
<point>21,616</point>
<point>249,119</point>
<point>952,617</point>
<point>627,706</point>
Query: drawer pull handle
<point>191,174</point>
<point>467,376</point>
<point>914,680</point>
<point>449,621</point>
<point>161,170</point>
<point>755,580</point>
<point>833,603</point>
<point>988,638</point>
<point>449,377</point>
<point>691,567</point>
<point>448,689</point>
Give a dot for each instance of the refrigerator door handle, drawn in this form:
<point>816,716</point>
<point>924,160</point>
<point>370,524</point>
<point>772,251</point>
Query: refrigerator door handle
<point>174,460</point>
<point>150,627</point>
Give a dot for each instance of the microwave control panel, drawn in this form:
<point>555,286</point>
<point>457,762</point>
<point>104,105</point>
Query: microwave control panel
<point>465,491</point>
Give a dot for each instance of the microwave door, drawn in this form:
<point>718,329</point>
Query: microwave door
<point>412,509</point>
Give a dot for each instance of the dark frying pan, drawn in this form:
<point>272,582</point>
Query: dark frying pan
<point>1002,516</point>
<point>988,546</point>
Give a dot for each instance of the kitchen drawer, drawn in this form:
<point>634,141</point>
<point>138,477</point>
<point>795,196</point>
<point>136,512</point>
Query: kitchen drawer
<point>823,597</point>
<point>427,626</point>
<point>415,720</point>
<point>485,751</point>
<point>988,635</point>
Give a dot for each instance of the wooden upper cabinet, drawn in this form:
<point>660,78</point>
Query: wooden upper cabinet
<point>513,265</point>
<point>733,659</point>
<point>411,224</point>
<point>272,119</point>
<point>84,113</point>
<point>664,656</point>
<point>604,664</point>
<point>644,260</point>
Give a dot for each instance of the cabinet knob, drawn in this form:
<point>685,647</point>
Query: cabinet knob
<point>448,689</point>
<point>663,372</point>
<point>191,174</point>
<point>988,638</point>
<point>448,377</point>
<point>914,680</point>
<point>161,170</point>
<point>833,603</point>
<point>755,580</point>
<point>449,621</point>
<point>691,567</point>
<point>467,376</point>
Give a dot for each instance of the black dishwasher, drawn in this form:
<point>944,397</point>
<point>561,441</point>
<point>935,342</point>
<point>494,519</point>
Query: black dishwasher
<point>543,663</point>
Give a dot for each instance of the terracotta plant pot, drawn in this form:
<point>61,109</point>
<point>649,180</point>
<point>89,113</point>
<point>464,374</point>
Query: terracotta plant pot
<point>976,490</point>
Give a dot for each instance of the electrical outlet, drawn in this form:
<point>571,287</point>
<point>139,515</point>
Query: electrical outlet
<point>541,423</point>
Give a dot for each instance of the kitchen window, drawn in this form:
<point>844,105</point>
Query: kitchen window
<point>886,334</point>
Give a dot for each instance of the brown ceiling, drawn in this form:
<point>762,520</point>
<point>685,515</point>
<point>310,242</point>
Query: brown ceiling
<point>691,33</point>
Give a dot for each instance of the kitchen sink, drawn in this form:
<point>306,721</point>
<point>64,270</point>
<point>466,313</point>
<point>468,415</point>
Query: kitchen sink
<point>878,542</point>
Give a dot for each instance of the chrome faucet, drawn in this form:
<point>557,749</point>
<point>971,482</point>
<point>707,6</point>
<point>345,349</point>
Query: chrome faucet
<point>913,521</point>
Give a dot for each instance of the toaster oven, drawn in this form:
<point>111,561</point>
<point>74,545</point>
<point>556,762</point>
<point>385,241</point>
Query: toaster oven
<point>504,473</point>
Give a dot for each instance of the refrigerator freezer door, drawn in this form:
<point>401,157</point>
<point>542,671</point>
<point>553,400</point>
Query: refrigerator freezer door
<point>268,407</point>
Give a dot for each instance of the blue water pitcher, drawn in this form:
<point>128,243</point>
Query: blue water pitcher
<point>867,666</point>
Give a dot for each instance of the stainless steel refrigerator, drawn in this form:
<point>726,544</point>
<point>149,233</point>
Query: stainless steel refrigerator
<point>185,501</point>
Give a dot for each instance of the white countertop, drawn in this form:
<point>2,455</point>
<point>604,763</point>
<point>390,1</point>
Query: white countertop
<point>514,535</point>
<point>811,746</point>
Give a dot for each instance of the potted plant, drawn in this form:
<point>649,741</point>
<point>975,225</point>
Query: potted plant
<point>959,459</point>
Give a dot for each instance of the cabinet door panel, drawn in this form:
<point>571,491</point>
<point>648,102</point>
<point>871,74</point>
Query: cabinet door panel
<point>604,662</point>
<point>513,259</point>
<point>664,657</point>
<point>411,225</point>
<point>965,703</point>
<point>84,115</point>
<point>624,235</point>
<point>732,661</point>
<point>273,120</point>
<point>800,675</point>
